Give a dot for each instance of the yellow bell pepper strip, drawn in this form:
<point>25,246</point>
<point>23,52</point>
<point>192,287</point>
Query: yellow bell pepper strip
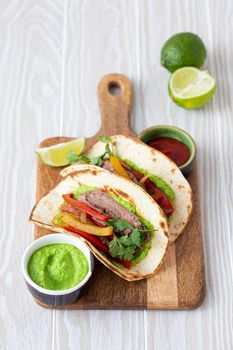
<point>83,218</point>
<point>118,167</point>
<point>67,219</point>
<point>77,213</point>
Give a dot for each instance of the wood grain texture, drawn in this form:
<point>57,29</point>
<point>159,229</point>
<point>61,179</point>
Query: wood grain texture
<point>115,107</point>
<point>53,54</point>
<point>180,284</point>
<point>30,66</point>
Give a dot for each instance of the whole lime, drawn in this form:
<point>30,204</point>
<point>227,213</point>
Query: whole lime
<point>183,49</point>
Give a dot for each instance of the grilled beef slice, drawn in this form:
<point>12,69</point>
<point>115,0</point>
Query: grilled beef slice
<point>102,201</point>
<point>108,166</point>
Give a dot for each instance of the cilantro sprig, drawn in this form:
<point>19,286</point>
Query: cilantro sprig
<point>119,225</point>
<point>125,246</point>
<point>72,157</point>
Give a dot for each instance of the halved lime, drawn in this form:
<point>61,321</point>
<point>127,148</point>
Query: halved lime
<point>191,88</point>
<point>57,155</point>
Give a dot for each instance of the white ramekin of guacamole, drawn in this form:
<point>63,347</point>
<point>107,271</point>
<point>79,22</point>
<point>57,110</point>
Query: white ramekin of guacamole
<point>56,267</point>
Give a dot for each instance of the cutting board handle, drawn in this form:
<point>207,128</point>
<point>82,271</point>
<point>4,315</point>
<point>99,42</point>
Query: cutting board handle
<point>115,95</point>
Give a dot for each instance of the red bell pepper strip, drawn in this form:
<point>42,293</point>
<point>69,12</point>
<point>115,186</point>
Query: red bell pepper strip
<point>90,238</point>
<point>85,208</point>
<point>125,263</point>
<point>158,195</point>
<point>68,209</point>
<point>98,244</point>
<point>166,205</point>
<point>96,222</point>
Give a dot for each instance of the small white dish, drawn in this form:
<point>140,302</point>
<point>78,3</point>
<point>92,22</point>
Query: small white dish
<point>53,297</point>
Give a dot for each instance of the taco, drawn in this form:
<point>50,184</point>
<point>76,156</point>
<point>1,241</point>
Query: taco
<point>148,168</point>
<point>119,222</point>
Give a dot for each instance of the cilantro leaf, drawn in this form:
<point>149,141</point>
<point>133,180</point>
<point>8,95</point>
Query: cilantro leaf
<point>125,246</point>
<point>84,159</point>
<point>108,142</point>
<point>136,237</point>
<point>104,139</point>
<point>72,157</point>
<point>108,150</point>
<point>126,240</point>
<point>128,253</point>
<point>117,248</point>
<point>119,224</point>
<point>96,161</point>
<point>100,162</point>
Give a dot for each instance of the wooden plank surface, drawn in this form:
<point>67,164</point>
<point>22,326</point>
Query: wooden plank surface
<point>53,54</point>
<point>180,284</point>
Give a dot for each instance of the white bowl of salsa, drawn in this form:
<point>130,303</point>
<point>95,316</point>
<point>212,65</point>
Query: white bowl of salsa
<point>56,267</point>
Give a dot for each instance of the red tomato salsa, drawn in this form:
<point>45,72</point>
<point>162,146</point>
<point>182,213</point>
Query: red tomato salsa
<point>172,148</point>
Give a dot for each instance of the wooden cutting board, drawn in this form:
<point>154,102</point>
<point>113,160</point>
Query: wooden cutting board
<point>180,284</point>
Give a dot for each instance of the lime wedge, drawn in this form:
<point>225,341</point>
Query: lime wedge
<point>57,155</point>
<point>191,88</point>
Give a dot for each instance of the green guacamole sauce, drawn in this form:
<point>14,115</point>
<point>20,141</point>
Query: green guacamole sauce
<point>58,266</point>
<point>160,183</point>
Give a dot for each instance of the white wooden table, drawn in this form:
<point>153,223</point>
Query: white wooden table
<point>53,54</point>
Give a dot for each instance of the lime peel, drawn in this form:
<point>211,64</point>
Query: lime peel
<point>56,155</point>
<point>191,88</point>
<point>182,50</point>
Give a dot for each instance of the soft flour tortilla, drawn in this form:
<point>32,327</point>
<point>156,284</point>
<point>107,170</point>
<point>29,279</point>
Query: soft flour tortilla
<point>156,163</point>
<point>90,175</point>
